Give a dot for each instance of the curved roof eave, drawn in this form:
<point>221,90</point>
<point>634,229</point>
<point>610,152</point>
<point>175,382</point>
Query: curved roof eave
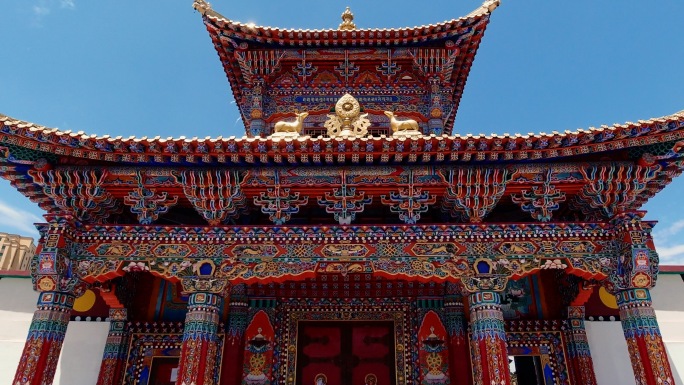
<point>520,147</point>
<point>205,9</point>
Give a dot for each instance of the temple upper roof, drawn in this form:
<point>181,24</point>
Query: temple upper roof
<point>420,71</point>
<point>337,36</point>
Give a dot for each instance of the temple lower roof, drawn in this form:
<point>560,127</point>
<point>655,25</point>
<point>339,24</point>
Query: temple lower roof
<point>584,175</point>
<point>307,150</point>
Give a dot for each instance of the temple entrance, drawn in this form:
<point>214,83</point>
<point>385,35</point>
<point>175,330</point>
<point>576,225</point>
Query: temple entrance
<point>341,353</point>
<point>164,371</point>
<point>526,370</point>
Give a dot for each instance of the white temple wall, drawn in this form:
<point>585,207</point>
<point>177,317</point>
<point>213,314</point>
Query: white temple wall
<point>17,304</point>
<point>609,353</point>
<point>607,341</point>
<point>84,342</point>
<point>79,363</point>
<point>668,301</point>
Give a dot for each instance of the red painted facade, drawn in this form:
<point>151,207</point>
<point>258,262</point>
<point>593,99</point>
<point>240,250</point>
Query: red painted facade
<point>360,243</point>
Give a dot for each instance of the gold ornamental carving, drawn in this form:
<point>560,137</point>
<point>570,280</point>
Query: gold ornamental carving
<point>347,120</point>
<point>284,129</point>
<point>347,21</point>
<point>406,127</point>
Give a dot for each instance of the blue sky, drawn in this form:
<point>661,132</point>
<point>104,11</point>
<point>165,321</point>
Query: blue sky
<point>148,68</point>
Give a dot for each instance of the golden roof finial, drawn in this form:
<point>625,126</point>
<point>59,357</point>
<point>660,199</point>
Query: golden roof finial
<point>347,21</point>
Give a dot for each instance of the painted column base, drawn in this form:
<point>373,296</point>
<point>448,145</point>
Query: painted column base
<point>646,349</point>
<point>44,342</point>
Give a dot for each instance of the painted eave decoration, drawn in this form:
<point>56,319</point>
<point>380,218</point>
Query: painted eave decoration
<point>648,153</point>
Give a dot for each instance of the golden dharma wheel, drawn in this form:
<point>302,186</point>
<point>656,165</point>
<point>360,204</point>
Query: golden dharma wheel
<point>257,363</point>
<point>434,362</point>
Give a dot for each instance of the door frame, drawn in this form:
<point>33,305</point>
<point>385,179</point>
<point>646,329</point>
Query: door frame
<point>349,325</point>
<point>370,310</point>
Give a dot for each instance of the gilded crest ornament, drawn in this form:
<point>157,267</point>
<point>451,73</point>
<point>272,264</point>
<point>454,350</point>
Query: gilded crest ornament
<point>347,21</point>
<point>347,120</point>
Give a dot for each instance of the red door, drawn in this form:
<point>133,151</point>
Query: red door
<point>345,353</point>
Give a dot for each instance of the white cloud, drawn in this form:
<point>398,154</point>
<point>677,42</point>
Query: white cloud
<point>20,220</point>
<point>674,229</point>
<point>669,244</point>
<point>41,10</point>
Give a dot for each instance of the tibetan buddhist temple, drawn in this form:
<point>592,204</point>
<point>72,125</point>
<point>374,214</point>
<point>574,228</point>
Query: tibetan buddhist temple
<point>350,237</point>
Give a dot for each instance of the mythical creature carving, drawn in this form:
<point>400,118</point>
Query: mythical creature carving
<point>202,6</point>
<point>407,127</point>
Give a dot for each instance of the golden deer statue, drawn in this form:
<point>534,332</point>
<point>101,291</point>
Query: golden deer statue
<point>402,125</point>
<point>296,126</point>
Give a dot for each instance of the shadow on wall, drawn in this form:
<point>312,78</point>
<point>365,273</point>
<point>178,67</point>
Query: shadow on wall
<point>82,352</point>
<point>669,309</point>
<point>17,304</point>
<point>675,373</point>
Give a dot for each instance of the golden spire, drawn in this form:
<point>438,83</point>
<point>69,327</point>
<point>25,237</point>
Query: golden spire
<point>347,21</point>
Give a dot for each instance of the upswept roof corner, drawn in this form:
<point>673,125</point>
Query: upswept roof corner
<point>487,7</point>
<point>204,8</point>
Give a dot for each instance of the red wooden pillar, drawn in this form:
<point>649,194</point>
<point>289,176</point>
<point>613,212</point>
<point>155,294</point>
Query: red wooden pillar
<point>579,356</point>
<point>455,323</point>
<point>44,342</point>
<point>646,349</point>
<point>234,346</point>
<point>198,360</point>
<point>488,339</point>
<point>114,357</point>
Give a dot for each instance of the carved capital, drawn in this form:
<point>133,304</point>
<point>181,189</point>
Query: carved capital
<point>485,283</point>
<point>213,285</point>
<point>203,278</point>
<point>486,274</point>
<point>636,263</point>
<point>51,268</point>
